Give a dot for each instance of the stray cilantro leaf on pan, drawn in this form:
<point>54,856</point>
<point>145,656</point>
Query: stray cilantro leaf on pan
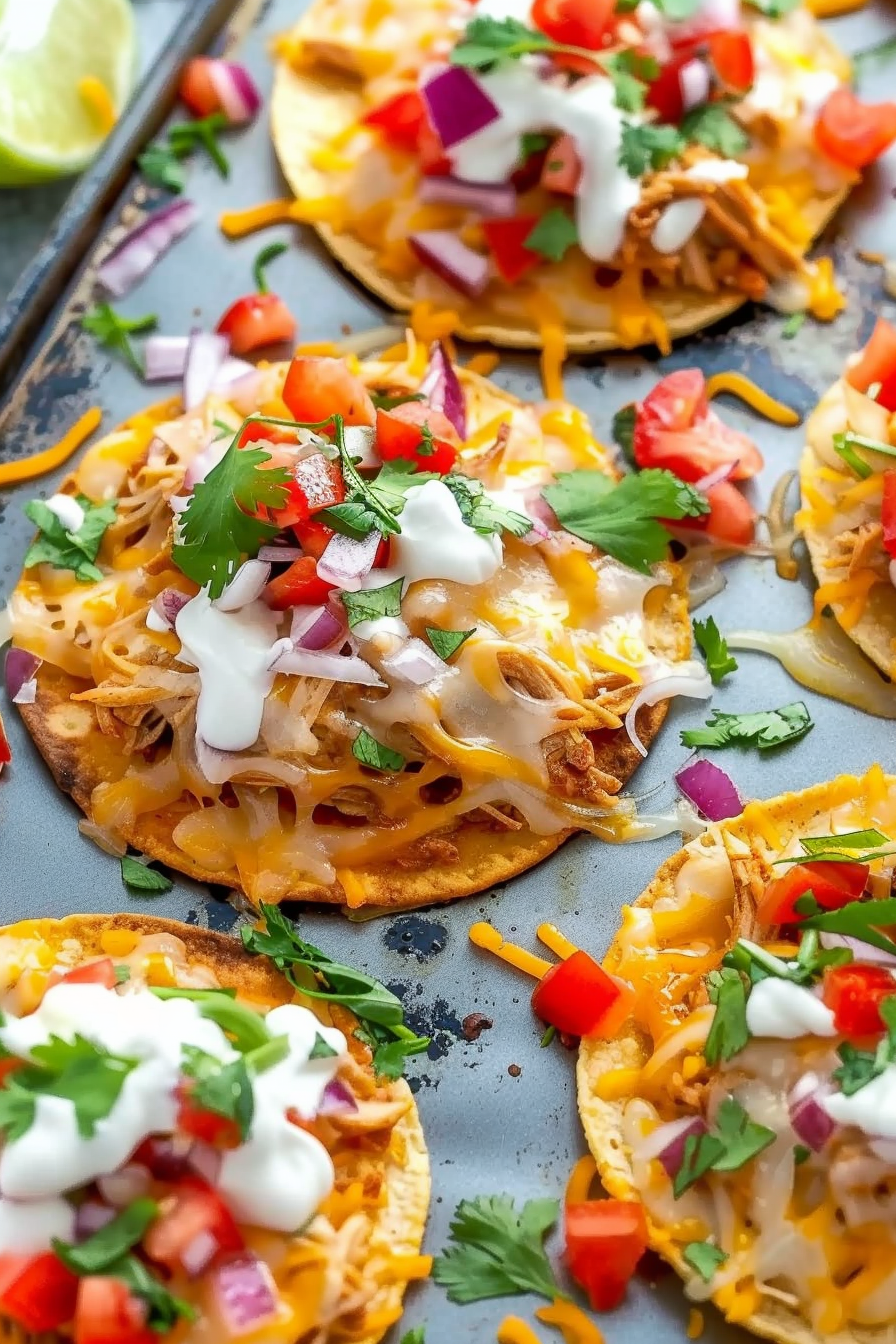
<point>138,877</point>
<point>417,1335</point>
<point>372,604</point>
<point>729,1033</point>
<point>704,1258</point>
<point>553,235</point>
<point>622,517</point>
<point>713,126</point>
<point>648,145</point>
<point>793,326</point>
<point>261,263</point>
<point>201,134</point>
<point>623,431</point>
<point>497,1251</point>
<point>162,168</point>
<point>369,752</point>
<point>222,1089</point>
<point>712,645</point>
<point>765,729</point>
<point>447,642</point>
<point>100,1251</point>
<point>484,514</point>
<point>62,549</point>
<point>114,331</point>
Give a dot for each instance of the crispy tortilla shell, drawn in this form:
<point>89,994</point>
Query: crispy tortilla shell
<point>398,1226</point>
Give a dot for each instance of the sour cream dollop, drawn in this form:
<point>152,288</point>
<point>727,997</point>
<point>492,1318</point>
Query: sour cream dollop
<point>784,1011</point>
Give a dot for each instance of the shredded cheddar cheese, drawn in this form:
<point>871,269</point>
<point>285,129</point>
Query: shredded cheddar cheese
<point>825,299</point>
<point>489,939</point>
<point>239,223</point>
<point>96,96</point>
<point>744,388</point>
<point>514,1330</point>
<point>581,1178</point>
<point>548,319</point>
<point>551,936</point>
<point>696,1323</point>
<point>38,463</point>
<point>484,364</point>
<point>406,1268</point>
<point>355,891</point>
<point>616,1084</point>
<point>573,1324</point>
<point>429,323</point>
<point>829,9</point>
<point>851,593</point>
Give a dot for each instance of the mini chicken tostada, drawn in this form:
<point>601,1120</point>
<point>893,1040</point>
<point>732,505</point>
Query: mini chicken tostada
<point>747,1100</point>
<point>409,708</point>
<point>193,1149</point>
<point>608,176</point>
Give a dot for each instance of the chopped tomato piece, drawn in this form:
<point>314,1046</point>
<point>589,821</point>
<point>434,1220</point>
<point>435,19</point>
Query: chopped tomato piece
<point>731,516</point>
<point>197,88</point>
<point>434,162</point>
<point>854,994</point>
<point>506,239</point>
<point>316,483</point>
<point>605,1239</point>
<point>205,1125</point>
<point>832,884</point>
<point>665,94</point>
<point>37,1291</point>
<point>107,1313</point>
<point>94,973</point>
<point>318,387</point>
<point>257,320</point>
<point>579,998</point>
<point>888,512</point>
<point>298,586</point>
<point>853,133</point>
<point>877,362</point>
<point>5,749</point>
<point>575,23</point>
<point>562,169</point>
<point>400,433</point>
<point>313,536</point>
<point>675,428</point>
<point>400,118</point>
<point>197,1209</point>
<point>731,55</point>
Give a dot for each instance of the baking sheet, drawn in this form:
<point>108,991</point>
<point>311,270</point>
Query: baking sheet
<point>499,1113</point>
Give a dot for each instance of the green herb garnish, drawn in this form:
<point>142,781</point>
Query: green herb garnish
<point>623,431</point>
<point>648,145</point>
<point>138,876</point>
<point>162,168</point>
<point>261,263</point>
<point>222,1089</point>
<point>704,1258</point>
<point>498,1251</point>
<point>62,549</point>
<point>376,755</point>
<point>793,326</point>
<point>372,604</point>
<point>713,126</point>
<point>553,235</point>
<point>738,1139</point>
<point>201,134</point>
<point>729,1033</point>
<point>765,729</point>
<point>77,1071</point>
<point>100,1251</point>
<point>114,331</point>
<point>712,645</point>
<point>447,642</point>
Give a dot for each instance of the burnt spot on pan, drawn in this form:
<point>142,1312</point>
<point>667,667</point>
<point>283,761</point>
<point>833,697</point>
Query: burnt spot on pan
<point>437,1019</point>
<point>217,914</point>
<point>412,935</point>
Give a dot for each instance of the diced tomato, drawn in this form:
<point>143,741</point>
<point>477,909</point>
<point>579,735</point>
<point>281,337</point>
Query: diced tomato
<point>318,386</point>
<point>197,1209</point>
<point>37,1291</point>
<point>731,518</point>
<point>313,536</point>
<point>832,884</point>
<point>94,973</point>
<point>854,994</point>
<point>107,1313</point>
<point>676,429</point>
<point>853,133</point>
<point>399,434</point>
<point>506,239</point>
<point>257,320</point>
<point>298,586</point>
<point>579,998</point>
<point>315,483</point>
<point>731,55</point>
<point>197,88</point>
<point>575,23</point>
<point>5,749</point>
<point>562,169</point>
<point>434,162</point>
<point>400,118</point>
<point>205,1125</point>
<point>888,512</point>
<point>665,94</point>
<point>877,363</point>
<point>605,1239</point>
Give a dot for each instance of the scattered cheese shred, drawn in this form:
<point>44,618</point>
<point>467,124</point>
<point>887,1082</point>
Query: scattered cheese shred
<point>573,1324</point>
<point>406,1269</point>
<point>578,1187</point>
<point>828,9</point>
<point>744,388</point>
<point>238,223</point>
<point>616,1084</point>
<point>489,939</point>
<point>429,323</point>
<point>27,467</point>
<point>852,593</point>
<point>319,348</point>
<point>484,364</point>
<point>355,891</point>
<point>547,317</point>
<point>118,942</point>
<point>696,1323</point>
<point>551,936</point>
<point>514,1330</point>
<point>98,99</point>
<point>825,299</point>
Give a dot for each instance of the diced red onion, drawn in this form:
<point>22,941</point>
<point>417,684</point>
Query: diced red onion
<point>449,257</point>
<point>442,389</point>
<point>91,1217</point>
<point>279,555</point>
<point>711,791</point>
<point>27,693</point>
<point>121,1188</point>
<point>236,90</point>
<point>458,105</point>
<point>415,663</point>
<point>327,666</point>
<point>135,255</point>
<point>497,200</point>
<point>246,586</point>
<point>232,371</point>
<point>693,81</point>
<point>696,687</point>
<point>346,562</point>
<point>205,1160</point>
<point>245,1294</point>
<point>674,1137</point>
<point>716,477</point>
<point>21,667</point>
<point>198,1254</point>
<point>167,1158</point>
<point>808,1118</point>
<point>860,950</point>
<point>244,392</point>
<point>337,1099</point>
<point>317,628</point>
<point>168,604</point>
<point>205,357</point>
<point>360,443</point>
<point>164,357</point>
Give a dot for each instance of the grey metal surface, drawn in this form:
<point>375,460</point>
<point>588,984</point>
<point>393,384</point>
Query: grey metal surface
<point>488,1129</point>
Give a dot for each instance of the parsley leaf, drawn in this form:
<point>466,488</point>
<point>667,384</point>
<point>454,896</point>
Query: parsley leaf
<point>630,73</point>
<point>765,729</point>
<point>713,126</point>
<point>484,514</point>
<point>622,517</point>
<point>114,331</point>
<point>712,645</point>
<point>553,235</point>
<point>858,919</point>
<point>76,551</point>
<point>77,1071</point>
<point>498,1252</point>
<point>379,1012</point>
<point>648,145</point>
<point>704,1258</point>
<point>216,530</point>
<point>373,603</point>
<point>738,1140</point>
<point>729,1033</point>
<point>223,1089</point>
<point>162,168</point>
<point>100,1251</point>
<point>203,133</point>
<point>376,755</point>
<point>623,431</point>
<point>447,642</point>
<point>262,261</point>
<point>138,877</point>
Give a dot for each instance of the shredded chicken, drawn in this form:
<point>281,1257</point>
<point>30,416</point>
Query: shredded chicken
<point>860,548</point>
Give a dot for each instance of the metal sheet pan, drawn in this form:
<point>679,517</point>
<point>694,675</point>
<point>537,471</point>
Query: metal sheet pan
<point>499,1113</point>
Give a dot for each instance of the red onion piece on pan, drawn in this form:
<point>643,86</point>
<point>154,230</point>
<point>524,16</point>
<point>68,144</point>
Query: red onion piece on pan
<point>246,586</point>
<point>711,791</point>
<point>810,1121</point>
<point>317,628</point>
<point>21,668</point>
<point>245,1294</point>
<point>337,1099</point>
<point>449,257</point>
<point>492,200</point>
<point>442,389</point>
<point>236,90</point>
<point>205,357</point>
<point>346,562</point>
<point>135,255</point>
<point>458,105</point>
<point>693,687</point>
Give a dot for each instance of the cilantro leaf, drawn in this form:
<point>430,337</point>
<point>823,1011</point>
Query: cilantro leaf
<point>376,755</point>
<point>793,326</point>
<point>553,235</point>
<point>729,1033</point>
<point>17,1109</point>
<point>261,263</point>
<point>320,1049</point>
<point>742,1137</point>
<point>622,517</point>
<point>76,1071</point>
<point>201,134</point>
<point>776,9</point>
<point>700,1152</point>
<point>623,431</point>
<point>483,513</point>
<point>383,401</point>
<point>712,645</point>
<point>630,73</point>
<point>371,604</point>
<point>164,1310</point>
<point>487,41</point>
<point>858,919</point>
<point>372,504</point>
<point>648,145</point>
<point>138,876</point>
<point>216,530</point>
<point>801,1154</point>
<point>704,1258</point>
<point>62,549</point>
<point>114,331</point>
<point>447,642</point>
<point>765,729</point>
<point>162,168</point>
<point>857,1068</point>
<point>223,1089</point>
<point>497,1251</point>
<point>100,1251</point>
<point>531,143</point>
<point>713,126</point>
<point>416,1335</point>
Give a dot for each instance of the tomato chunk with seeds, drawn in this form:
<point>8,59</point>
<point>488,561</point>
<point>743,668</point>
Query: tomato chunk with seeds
<point>854,994</point>
<point>575,23</point>
<point>417,433</point>
<point>675,428</point>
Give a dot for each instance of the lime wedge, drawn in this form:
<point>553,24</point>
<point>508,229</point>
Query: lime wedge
<point>49,125</point>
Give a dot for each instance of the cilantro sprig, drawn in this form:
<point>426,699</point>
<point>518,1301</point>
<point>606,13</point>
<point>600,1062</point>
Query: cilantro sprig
<point>497,1250</point>
<point>163,168</point>
<point>704,1258</point>
<point>623,432</point>
<point>765,729</point>
<point>858,1067</point>
<point>77,1071</point>
<point>201,134</point>
<point>864,920</point>
<point>114,331</point>
<point>648,145</point>
<point>850,847</point>
<point>62,549</point>
<point>263,261</point>
<point>553,235</point>
<point>447,642</point>
<point>737,1140</point>
<point>376,755</point>
<point>712,645</point>
<point>373,604</point>
<point>729,1033</point>
<point>713,126</point>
